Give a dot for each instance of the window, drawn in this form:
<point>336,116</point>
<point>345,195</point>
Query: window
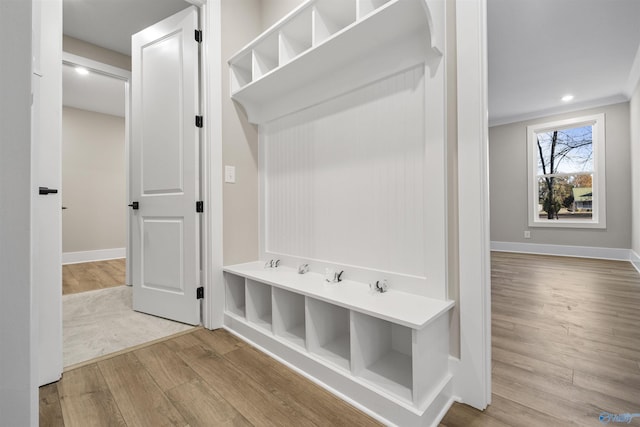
<point>566,173</point>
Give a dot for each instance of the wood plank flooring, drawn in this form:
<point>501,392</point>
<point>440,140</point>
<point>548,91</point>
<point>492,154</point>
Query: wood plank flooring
<point>202,378</point>
<point>565,343</point>
<point>566,347</point>
<point>90,276</point>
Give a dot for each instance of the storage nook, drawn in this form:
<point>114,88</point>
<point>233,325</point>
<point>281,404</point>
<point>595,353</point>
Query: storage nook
<point>393,343</point>
<point>349,99</point>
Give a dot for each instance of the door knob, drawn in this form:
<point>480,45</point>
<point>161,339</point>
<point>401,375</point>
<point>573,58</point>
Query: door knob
<point>47,190</point>
<point>134,205</point>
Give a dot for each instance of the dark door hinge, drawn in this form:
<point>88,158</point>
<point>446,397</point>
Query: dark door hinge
<point>198,35</point>
<point>199,121</point>
<point>200,206</point>
<point>200,293</point>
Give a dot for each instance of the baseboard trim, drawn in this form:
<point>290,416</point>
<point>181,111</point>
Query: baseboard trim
<point>563,250</point>
<point>635,259</point>
<point>91,256</point>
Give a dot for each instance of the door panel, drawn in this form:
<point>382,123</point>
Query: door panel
<point>165,169</point>
<point>163,134</point>
<point>163,241</point>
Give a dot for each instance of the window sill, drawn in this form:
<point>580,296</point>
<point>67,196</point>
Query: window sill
<point>567,224</point>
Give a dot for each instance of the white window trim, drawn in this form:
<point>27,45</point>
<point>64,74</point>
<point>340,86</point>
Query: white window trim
<point>599,219</point>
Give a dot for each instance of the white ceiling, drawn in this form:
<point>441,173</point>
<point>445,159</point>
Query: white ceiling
<point>539,50</point>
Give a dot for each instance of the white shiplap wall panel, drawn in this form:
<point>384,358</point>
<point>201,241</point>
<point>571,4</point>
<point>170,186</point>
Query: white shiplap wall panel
<point>345,180</point>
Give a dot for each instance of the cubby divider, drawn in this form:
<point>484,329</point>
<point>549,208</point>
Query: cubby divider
<point>259,304</point>
<point>289,317</point>
<point>295,37</point>
<point>235,294</point>
<point>328,332</point>
<point>265,56</point>
<point>241,72</point>
<point>365,7</point>
<point>331,16</point>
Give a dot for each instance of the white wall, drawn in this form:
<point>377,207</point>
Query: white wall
<point>508,184</point>
<point>635,176</point>
<point>18,388</point>
<point>93,181</point>
<point>336,191</point>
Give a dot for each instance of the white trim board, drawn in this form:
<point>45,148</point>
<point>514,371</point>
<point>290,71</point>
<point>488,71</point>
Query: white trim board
<point>91,256</point>
<point>634,258</point>
<point>564,250</point>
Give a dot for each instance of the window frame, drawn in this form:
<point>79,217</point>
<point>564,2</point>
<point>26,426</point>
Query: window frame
<point>599,214</point>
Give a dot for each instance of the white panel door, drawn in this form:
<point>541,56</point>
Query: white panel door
<point>165,169</point>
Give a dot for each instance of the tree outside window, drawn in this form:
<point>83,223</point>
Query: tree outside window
<point>566,173</point>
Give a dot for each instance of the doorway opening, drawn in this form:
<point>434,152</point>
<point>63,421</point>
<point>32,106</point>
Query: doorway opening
<point>98,318</point>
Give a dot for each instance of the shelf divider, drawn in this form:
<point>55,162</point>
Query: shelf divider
<point>259,304</point>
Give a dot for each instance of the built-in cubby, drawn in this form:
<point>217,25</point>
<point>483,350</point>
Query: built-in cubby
<point>241,74</point>
<point>352,77</point>
<point>289,317</point>
<point>330,17</point>
<point>265,56</point>
<point>234,294</point>
<point>365,7</point>
<point>362,40</point>
<point>383,354</point>
<point>393,343</point>
<point>259,304</point>
<point>329,332</point>
<point>296,36</point>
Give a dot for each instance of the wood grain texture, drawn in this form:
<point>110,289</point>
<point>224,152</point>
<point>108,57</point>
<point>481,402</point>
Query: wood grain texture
<point>201,378</point>
<point>565,343</point>
<point>137,395</point>
<point>50,409</point>
<point>90,276</point>
<point>86,399</point>
<point>565,347</point>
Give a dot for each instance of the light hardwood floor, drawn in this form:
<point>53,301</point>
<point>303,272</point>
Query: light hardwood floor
<point>90,276</point>
<point>203,378</point>
<point>566,347</point>
<point>566,343</point>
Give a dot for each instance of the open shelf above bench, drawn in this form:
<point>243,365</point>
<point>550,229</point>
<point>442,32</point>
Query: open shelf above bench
<point>326,47</point>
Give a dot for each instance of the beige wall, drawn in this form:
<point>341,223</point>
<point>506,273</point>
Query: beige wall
<point>635,171</point>
<point>272,11</point>
<point>93,181</point>
<point>240,25</point>
<point>242,21</point>
<point>508,184</point>
<point>96,53</point>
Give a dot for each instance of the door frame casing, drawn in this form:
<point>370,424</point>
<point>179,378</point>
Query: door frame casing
<point>212,185</point>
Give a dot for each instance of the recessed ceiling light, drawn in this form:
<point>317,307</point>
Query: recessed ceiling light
<point>82,71</point>
<point>567,98</point>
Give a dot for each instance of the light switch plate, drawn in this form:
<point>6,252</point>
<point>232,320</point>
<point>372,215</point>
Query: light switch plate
<point>230,174</point>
